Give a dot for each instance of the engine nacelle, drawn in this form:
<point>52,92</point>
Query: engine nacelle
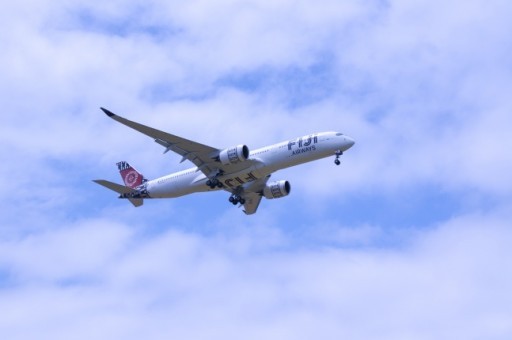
<point>234,155</point>
<point>277,189</point>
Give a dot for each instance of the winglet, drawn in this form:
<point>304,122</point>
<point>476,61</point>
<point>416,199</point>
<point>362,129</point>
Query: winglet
<point>107,112</point>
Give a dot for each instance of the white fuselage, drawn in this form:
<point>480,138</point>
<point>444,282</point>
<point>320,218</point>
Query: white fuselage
<point>270,159</point>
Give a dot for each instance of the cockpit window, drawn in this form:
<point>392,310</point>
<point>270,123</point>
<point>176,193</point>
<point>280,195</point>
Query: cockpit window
<point>339,134</point>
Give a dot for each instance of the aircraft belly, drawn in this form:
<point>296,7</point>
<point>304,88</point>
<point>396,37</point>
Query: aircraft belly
<point>245,176</point>
<point>175,187</point>
<point>160,188</point>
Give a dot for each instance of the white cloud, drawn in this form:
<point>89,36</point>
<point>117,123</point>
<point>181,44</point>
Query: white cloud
<point>424,91</point>
<point>447,282</point>
<point>65,254</point>
<point>422,77</point>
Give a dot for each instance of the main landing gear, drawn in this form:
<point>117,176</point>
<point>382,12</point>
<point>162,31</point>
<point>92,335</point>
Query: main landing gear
<point>235,199</point>
<point>214,183</point>
<point>338,154</point>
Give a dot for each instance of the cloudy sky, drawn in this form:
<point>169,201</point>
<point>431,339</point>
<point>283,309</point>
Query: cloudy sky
<point>408,239</point>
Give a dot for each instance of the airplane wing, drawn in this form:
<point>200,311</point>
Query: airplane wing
<point>202,156</point>
<point>253,193</point>
<point>252,202</point>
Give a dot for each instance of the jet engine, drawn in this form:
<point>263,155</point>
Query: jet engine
<point>234,155</point>
<point>277,189</point>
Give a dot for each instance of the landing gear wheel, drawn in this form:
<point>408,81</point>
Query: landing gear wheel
<point>338,154</point>
<point>214,182</point>
<point>235,199</point>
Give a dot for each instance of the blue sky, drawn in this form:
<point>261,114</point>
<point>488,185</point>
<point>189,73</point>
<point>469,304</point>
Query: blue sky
<point>408,239</point>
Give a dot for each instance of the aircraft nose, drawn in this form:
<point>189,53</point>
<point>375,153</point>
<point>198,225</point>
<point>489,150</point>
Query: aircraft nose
<point>349,141</point>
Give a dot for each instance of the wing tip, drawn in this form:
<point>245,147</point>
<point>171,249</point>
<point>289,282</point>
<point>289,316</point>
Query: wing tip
<point>249,213</point>
<point>107,112</point>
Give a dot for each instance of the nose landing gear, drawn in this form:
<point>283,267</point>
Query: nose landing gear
<point>338,154</point>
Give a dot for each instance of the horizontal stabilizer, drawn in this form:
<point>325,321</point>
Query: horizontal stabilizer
<point>120,189</point>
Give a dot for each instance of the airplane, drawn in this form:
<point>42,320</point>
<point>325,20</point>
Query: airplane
<point>243,173</point>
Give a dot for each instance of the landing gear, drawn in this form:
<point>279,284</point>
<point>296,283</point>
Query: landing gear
<point>235,199</point>
<point>214,183</point>
<point>338,154</point>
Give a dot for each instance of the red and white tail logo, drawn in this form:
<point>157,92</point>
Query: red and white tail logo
<point>131,177</point>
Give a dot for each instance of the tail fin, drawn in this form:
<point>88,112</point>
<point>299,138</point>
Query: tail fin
<point>131,177</point>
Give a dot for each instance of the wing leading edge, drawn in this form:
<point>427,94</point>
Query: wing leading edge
<point>201,155</point>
